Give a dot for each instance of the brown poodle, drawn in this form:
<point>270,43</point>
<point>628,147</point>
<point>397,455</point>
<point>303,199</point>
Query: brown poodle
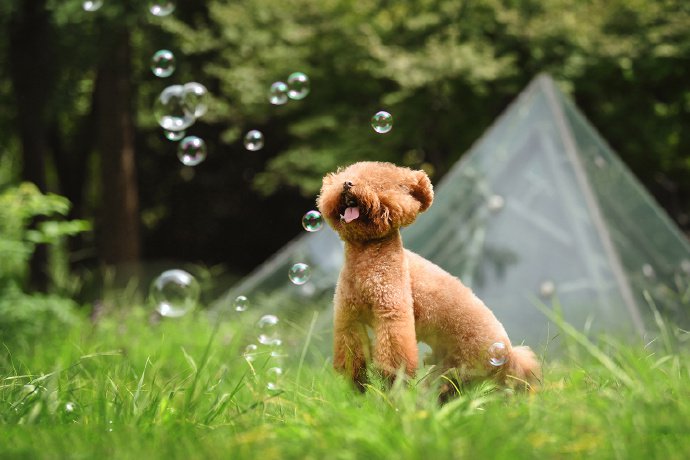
<point>402,296</point>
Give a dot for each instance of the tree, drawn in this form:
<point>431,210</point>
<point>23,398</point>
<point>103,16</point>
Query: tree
<point>32,70</point>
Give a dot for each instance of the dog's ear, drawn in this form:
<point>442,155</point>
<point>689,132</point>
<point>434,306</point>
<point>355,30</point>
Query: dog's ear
<point>422,190</point>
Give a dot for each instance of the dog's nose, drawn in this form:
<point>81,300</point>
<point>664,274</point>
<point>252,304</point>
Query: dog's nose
<point>347,185</point>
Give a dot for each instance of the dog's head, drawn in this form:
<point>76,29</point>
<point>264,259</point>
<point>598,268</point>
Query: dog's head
<point>370,200</point>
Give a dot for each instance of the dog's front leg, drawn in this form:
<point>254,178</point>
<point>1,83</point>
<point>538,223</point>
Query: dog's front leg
<point>396,342</point>
<point>351,348</point>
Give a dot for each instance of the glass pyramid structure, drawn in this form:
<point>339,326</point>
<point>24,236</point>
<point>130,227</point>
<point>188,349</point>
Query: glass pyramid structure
<point>540,210</point>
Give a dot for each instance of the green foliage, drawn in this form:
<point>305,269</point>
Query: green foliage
<point>443,68</point>
<point>181,389</point>
<point>24,316</point>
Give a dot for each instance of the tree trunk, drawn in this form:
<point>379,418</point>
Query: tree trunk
<point>32,70</point>
<point>119,226</point>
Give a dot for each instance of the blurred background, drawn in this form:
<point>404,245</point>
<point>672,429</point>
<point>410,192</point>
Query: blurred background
<point>77,96</point>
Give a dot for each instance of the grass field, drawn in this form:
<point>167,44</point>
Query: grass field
<point>125,388</point>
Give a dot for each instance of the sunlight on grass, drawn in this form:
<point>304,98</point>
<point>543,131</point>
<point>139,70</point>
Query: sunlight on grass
<point>183,389</point>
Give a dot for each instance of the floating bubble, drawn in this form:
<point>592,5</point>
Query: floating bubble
<point>298,86</point>
<point>191,150</point>
<point>265,339</point>
<point>498,354</point>
<point>299,273</point>
<point>278,94</point>
<point>273,375</point>
<point>250,352</point>
<point>267,321</point>
<point>171,111</point>
<point>174,293</point>
<point>278,354</point>
<point>241,303</point>
<point>163,63</point>
<point>496,203</point>
<point>685,265</point>
<point>174,135</point>
<point>312,221</point>
<point>382,122</point>
<point>254,140</point>
<point>161,7</point>
<point>70,406</point>
<point>547,289</point>
<point>196,98</point>
<point>92,5</point>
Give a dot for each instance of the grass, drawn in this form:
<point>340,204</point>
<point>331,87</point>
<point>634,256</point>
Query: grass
<point>182,389</point>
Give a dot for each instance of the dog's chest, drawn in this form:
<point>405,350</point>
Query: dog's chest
<point>381,286</point>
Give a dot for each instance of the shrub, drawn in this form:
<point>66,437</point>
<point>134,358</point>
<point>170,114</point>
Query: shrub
<point>25,315</point>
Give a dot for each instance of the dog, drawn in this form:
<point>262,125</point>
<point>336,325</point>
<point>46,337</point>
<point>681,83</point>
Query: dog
<point>403,297</point>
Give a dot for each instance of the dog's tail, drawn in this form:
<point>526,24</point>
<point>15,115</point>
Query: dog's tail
<point>523,368</point>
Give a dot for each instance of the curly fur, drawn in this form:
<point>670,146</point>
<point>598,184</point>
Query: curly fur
<point>402,296</point>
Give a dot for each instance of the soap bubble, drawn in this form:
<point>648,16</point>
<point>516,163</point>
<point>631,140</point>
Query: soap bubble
<point>547,288</point>
<point>273,375</point>
<point>195,98</point>
<point>648,271</point>
<point>685,265</point>
<point>161,7</point>
<point>174,293</point>
<point>312,221</point>
<point>174,135</point>
<point>92,5</point>
<point>382,122</point>
<point>191,150</point>
<point>267,321</point>
<point>266,339</point>
<point>163,63</point>
<point>498,354</point>
<point>278,94</point>
<point>250,352</point>
<point>254,140</point>
<point>496,203</point>
<point>299,273</point>
<point>241,303</point>
<point>171,111</point>
<point>298,86</point>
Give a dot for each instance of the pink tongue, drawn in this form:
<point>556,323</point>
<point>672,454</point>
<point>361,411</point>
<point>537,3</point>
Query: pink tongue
<point>351,214</point>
